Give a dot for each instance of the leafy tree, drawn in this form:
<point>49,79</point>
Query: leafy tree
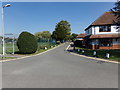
<point>46,34</point>
<point>73,36</point>
<point>62,31</point>
<point>38,35</point>
<point>27,43</point>
<point>116,11</point>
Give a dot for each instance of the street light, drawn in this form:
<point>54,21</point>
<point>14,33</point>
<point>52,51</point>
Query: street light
<point>7,5</point>
<point>3,40</point>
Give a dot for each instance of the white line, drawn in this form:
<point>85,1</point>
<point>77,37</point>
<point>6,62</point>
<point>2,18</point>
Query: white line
<point>68,46</point>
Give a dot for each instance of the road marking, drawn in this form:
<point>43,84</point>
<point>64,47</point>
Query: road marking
<point>98,59</point>
<point>31,55</point>
<point>68,46</point>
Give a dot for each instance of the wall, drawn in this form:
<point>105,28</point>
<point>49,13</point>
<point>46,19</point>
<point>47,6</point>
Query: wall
<point>95,30</point>
<point>88,32</point>
<point>112,47</point>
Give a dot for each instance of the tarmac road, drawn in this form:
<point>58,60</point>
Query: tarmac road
<point>59,69</point>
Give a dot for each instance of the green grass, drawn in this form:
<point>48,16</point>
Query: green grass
<point>45,44</point>
<point>8,48</point>
<point>41,47</point>
<point>2,58</point>
<point>114,54</point>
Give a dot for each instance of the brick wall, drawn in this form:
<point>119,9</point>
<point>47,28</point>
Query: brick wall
<point>112,47</point>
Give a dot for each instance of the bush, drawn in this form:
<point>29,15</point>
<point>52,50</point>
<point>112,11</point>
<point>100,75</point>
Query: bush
<point>78,43</point>
<point>27,43</point>
<point>58,42</point>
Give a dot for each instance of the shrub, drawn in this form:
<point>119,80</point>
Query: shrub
<point>27,43</point>
<point>58,42</point>
<point>78,43</point>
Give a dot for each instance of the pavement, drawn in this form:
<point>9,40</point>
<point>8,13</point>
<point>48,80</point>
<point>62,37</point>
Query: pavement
<point>58,68</point>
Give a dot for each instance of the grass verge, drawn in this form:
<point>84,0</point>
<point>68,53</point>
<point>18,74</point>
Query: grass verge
<point>5,58</point>
<point>114,54</point>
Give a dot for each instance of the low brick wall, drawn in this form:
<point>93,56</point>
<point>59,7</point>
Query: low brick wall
<point>112,47</point>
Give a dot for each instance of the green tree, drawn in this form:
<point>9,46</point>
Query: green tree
<point>38,35</point>
<point>73,36</point>
<point>62,31</point>
<point>46,34</point>
<point>27,43</point>
<point>116,11</point>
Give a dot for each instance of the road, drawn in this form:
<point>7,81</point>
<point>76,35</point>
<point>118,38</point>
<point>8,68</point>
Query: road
<point>59,69</point>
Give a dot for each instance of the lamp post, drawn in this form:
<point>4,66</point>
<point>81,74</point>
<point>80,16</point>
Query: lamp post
<point>3,40</point>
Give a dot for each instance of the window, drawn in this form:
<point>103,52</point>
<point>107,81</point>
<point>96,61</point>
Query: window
<point>105,29</point>
<point>106,42</point>
<point>88,31</point>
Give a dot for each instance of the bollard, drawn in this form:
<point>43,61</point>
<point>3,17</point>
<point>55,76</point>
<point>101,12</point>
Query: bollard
<point>107,55</point>
<point>45,48</point>
<point>83,51</point>
<point>94,53</point>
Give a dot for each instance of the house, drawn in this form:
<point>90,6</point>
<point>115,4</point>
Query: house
<point>80,38</point>
<point>103,33</point>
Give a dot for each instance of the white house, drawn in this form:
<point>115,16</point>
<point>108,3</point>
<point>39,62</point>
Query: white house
<point>103,33</point>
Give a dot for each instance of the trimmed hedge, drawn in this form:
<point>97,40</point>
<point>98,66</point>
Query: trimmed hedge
<point>27,43</point>
<point>78,43</point>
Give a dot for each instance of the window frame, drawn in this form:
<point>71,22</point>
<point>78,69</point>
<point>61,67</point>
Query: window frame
<point>105,28</point>
<point>104,41</point>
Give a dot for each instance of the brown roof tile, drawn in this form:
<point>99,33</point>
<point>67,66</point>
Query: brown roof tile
<point>108,18</point>
<point>82,35</point>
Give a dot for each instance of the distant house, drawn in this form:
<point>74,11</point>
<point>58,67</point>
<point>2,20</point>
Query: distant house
<point>80,40</point>
<point>80,37</point>
<point>103,33</point>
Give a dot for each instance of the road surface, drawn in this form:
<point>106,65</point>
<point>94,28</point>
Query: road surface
<point>59,69</point>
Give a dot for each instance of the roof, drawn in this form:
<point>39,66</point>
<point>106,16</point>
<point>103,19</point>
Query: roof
<point>108,18</point>
<point>82,35</point>
<point>105,36</point>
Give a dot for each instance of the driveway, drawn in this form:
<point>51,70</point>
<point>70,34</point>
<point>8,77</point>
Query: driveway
<point>59,69</point>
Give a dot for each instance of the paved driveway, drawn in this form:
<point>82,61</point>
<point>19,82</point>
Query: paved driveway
<point>59,69</point>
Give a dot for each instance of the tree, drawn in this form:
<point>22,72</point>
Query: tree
<point>116,12</point>
<point>73,36</point>
<point>38,35</point>
<point>62,31</point>
<point>46,34</point>
<point>27,43</point>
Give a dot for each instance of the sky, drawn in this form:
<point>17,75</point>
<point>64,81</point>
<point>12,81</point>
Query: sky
<point>43,16</point>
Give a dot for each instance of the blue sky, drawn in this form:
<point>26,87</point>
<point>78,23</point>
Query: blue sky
<point>39,16</point>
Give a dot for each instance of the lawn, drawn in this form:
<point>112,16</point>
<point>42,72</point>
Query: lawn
<point>8,48</point>
<point>41,47</point>
<point>114,54</point>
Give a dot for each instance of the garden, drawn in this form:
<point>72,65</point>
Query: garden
<point>113,54</point>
